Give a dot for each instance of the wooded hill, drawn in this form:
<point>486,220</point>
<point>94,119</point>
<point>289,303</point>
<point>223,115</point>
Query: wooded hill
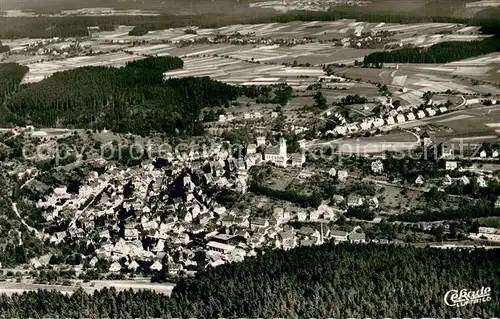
<point>11,75</point>
<point>328,281</point>
<point>438,53</point>
<point>133,99</point>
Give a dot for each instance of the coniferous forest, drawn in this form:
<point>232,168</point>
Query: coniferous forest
<point>4,48</point>
<point>328,281</point>
<point>134,98</point>
<point>439,53</point>
<point>11,75</point>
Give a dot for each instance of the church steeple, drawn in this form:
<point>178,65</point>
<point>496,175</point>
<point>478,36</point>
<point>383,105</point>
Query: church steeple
<point>283,148</point>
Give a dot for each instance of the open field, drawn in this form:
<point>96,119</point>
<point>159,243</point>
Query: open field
<point>42,70</point>
<point>485,68</point>
<point>80,12</point>
<point>420,34</point>
<point>395,141</point>
<point>244,73</point>
<point>321,47</point>
<point>469,126</point>
<point>457,8</point>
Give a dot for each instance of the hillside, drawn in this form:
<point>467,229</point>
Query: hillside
<point>328,281</point>
<point>133,99</point>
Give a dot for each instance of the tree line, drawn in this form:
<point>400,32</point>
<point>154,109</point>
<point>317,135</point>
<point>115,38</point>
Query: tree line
<point>313,200</point>
<point>438,53</point>
<point>466,210</point>
<point>11,75</point>
<point>4,48</point>
<point>327,281</point>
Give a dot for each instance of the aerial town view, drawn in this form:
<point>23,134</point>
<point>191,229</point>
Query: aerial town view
<point>250,159</point>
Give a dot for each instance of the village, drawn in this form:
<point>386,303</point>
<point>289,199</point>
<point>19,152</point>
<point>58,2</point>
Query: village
<point>392,154</point>
<point>163,215</point>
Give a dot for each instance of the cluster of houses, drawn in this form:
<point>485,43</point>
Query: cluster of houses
<point>393,117</point>
<point>158,213</point>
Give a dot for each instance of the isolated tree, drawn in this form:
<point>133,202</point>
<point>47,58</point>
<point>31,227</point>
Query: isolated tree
<point>319,100</point>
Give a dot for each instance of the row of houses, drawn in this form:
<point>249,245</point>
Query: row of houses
<point>392,118</point>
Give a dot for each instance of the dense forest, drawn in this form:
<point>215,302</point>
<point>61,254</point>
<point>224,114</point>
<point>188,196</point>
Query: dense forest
<point>47,27</point>
<point>438,53</point>
<point>11,75</point>
<point>4,48</point>
<point>328,281</point>
<point>133,99</point>
<point>313,200</point>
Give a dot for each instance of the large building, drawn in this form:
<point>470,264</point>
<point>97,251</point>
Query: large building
<point>277,154</point>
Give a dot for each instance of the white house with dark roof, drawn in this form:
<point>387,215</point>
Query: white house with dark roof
<point>357,238</point>
<point>339,235</point>
<point>451,165</point>
<point>354,200</point>
<point>298,159</point>
<point>220,247</point>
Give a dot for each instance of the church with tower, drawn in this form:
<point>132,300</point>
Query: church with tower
<point>277,154</point>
